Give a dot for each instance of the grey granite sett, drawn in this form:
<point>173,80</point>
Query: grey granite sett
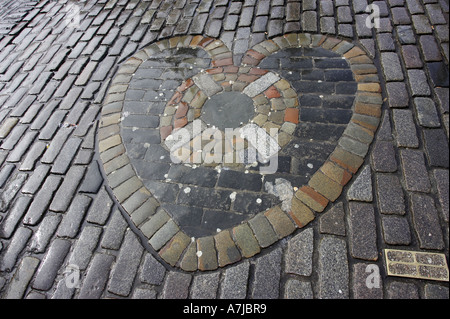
<point>300,253</point>
<point>361,189</point>
<point>125,269</point>
<point>333,269</point>
<point>362,231</point>
<point>390,195</point>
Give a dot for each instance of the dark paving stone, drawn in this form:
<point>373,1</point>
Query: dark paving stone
<point>93,179</point>
<point>204,197</point>
<point>390,195</point>
<point>383,157</point>
<point>333,221</point>
<point>430,48</point>
<point>338,102</point>
<point>156,153</point>
<point>439,74</point>
<point>217,219</point>
<point>338,75</point>
<point>200,176</point>
<point>398,95</point>
<point>164,192</point>
<point>316,87</point>
<point>151,171</point>
<point>247,203</point>
<point>436,292</point>
<point>329,116</point>
<point>436,145</point>
<point>189,218</point>
<point>228,110</point>
<point>396,230</point>
<point>360,288</point>
<point>401,290</point>
<point>240,181</point>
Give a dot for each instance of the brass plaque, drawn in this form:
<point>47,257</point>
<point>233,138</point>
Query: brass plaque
<point>415,264</point>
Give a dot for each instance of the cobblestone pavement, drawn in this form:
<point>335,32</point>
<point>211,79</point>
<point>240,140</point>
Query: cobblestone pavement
<point>90,206</point>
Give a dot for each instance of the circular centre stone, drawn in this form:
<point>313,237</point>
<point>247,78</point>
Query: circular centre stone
<point>228,110</point>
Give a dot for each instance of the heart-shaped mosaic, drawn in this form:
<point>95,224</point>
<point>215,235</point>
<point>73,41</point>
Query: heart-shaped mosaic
<point>214,162</point>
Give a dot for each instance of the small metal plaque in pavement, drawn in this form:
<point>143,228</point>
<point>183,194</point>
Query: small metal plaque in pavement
<point>414,264</point>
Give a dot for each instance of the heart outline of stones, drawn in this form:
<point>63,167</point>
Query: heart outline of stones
<point>249,238</point>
